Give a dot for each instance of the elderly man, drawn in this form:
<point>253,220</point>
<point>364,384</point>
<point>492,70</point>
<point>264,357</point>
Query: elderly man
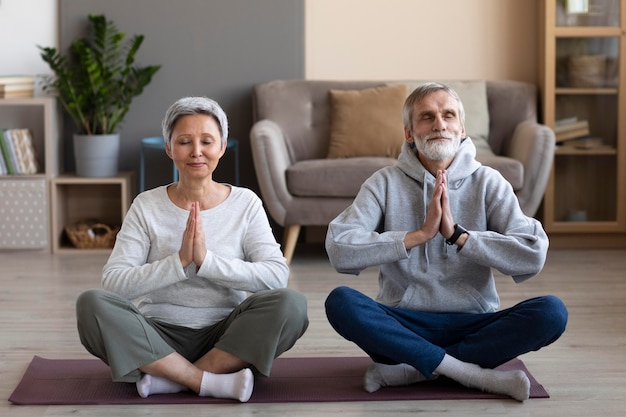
<point>436,224</point>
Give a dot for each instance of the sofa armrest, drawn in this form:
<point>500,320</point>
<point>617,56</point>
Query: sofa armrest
<point>533,144</point>
<point>271,160</point>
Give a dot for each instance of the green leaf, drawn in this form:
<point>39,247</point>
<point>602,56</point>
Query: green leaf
<point>98,80</point>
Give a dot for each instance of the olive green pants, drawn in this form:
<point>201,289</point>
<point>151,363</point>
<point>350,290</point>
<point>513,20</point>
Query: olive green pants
<point>261,328</point>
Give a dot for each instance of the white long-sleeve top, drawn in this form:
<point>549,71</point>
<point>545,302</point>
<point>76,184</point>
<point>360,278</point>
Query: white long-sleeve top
<point>242,257</point>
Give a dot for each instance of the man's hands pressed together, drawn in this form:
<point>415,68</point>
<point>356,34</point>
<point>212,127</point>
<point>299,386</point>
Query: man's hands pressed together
<point>439,217</point>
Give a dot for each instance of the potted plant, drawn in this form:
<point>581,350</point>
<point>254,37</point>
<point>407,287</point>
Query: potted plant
<point>96,83</point>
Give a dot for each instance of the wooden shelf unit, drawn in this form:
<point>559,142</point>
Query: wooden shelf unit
<point>74,199</point>
<point>586,193</point>
<point>24,199</point>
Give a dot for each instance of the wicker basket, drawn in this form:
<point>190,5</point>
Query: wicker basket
<point>90,234</point>
<point>587,71</point>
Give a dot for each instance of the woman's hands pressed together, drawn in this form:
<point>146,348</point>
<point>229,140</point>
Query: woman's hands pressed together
<point>193,246</point>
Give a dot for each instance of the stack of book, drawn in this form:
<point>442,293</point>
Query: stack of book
<point>17,153</point>
<point>17,86</point>
<point>566,129</point>
<point>575,133</point>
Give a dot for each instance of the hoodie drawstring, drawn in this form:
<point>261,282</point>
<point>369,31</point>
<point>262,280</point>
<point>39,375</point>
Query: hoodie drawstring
<point>424,265</point>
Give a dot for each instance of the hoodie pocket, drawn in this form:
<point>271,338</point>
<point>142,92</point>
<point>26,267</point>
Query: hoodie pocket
<point>452,298</point>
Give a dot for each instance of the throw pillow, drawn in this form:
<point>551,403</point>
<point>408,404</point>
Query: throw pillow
<point>367,122</point>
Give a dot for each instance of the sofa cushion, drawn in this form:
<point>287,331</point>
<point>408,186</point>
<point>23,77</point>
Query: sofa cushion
<point>511,169</point>
<point>318,177</point>
<point>367,122</point>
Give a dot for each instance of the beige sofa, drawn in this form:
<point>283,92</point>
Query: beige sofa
<point>300,186</point>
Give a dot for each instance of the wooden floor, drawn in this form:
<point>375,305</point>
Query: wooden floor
<point>584,371</point>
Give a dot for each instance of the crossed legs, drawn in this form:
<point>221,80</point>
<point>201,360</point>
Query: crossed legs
<point>464,347</point>
<point>215,361</point>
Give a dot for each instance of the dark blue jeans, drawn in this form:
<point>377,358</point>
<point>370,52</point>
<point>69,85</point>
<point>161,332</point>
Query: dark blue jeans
<point>421,339</point>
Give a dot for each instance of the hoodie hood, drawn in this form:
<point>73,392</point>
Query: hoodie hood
<point>463,165</point>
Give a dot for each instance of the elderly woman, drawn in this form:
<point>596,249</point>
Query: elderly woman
<point>195,290</point>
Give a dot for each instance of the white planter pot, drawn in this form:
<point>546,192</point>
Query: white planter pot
<point>96,155</point>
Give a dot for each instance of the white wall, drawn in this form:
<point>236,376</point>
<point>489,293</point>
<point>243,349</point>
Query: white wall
<point>421,39</point>
<point>23,25</point>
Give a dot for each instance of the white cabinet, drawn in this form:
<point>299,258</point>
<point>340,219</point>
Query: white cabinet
<point>23,213</point>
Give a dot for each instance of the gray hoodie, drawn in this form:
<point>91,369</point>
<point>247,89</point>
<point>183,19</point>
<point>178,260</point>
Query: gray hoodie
<point>436,276</point>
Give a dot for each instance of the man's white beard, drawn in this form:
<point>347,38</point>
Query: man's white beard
<point>438,150</point>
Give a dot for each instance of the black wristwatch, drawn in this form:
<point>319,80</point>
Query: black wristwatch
<point>458,231</point>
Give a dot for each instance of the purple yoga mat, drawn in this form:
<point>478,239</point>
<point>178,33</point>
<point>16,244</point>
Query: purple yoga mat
<point>329,379</point>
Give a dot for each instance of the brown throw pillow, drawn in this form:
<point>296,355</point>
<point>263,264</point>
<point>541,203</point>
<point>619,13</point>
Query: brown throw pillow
<point>367,122</point>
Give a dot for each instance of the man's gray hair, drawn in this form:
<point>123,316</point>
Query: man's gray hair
<point>420,93</point>
<point>188,106</point>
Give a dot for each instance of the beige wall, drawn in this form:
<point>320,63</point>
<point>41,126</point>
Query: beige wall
<point>421,39</point>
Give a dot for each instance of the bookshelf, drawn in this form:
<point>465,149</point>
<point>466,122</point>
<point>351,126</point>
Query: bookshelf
<point>24,202</point>
<point>581,68</point>
<point>74,199</point>
<point>34,209</point>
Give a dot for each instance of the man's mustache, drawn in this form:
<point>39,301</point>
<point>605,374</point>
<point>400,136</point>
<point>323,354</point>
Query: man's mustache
<point>436,135</point>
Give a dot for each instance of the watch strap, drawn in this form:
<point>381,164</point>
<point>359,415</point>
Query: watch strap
<point>458,231</point>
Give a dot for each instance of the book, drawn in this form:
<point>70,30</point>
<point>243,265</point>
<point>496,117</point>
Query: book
<point>18,152</point>
<point>6,88</point>
<point>587,142</point>
<point>5,152</point>
<point>571,129</point>
<point>571,125</point>
<point>565,121</point>
<point>571,134</point>
<point>25,151</point>
<point>3,165</point>
<point>8,141</point>
<point>17,94</point>
<point>16,79</point>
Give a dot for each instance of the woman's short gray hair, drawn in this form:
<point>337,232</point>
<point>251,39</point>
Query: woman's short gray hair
<point>420,93</point>
<point>188,106</point>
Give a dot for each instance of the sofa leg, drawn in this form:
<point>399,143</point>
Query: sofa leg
<point>290,237</point>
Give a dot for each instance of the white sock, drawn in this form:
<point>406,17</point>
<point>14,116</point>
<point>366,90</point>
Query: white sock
<point>513,383</point>
<point>237,385</point>
<point>379,375</point>
<point>150,384</point>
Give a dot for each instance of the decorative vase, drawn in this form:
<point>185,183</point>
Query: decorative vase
<point>96,155</point>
